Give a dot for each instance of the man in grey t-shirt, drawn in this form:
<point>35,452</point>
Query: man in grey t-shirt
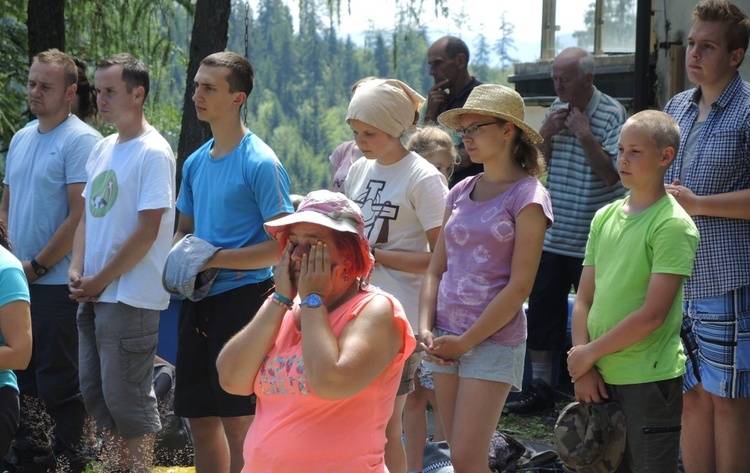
<point>41,204</point>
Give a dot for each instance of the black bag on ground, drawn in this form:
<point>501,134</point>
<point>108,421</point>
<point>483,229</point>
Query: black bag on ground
<point>508,454</point>
<point>174,442</point>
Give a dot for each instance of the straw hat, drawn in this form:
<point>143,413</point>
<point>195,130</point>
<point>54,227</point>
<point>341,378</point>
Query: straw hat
<point>493,100</point>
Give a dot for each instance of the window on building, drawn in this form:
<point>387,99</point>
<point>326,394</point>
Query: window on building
<point>599,26</point>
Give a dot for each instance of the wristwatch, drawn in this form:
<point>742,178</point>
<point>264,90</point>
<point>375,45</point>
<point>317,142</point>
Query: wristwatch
<point>312,300</point>
<point>39,269</point>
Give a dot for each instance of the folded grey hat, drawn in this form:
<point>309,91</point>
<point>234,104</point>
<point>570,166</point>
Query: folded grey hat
<point>182,275</point>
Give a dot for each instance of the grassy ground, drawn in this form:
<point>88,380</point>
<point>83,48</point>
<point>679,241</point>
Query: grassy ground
<point>159,469</point>
<point>538,428</point>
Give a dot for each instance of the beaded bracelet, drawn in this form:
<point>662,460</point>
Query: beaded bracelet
<point>280,300</point>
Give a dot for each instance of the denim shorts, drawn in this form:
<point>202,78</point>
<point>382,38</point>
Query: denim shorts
<point>716,336</point>
<point>488,361</point>
<point>117,345</point>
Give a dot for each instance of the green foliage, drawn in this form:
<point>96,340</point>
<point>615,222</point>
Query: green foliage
<point>302,78</point>
<point>505,44</point>
<point>155,31</point>
<point>13,67</point>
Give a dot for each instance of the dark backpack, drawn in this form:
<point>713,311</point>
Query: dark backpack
<point>174,442</point>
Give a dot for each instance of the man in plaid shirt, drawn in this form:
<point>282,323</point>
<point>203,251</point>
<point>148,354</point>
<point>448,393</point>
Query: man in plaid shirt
<point>711,180</point>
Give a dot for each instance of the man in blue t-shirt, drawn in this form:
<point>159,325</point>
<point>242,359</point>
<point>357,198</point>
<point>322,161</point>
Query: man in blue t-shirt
<point>230,187</point>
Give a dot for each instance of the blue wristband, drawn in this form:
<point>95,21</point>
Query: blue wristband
<point>283,299</point>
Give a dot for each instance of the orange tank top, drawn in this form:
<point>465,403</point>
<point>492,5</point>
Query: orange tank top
<point>296,430</point>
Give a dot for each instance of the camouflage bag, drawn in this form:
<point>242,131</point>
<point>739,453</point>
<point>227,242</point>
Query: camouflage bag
<point>590,438</point>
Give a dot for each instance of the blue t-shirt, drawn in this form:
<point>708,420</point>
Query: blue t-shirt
<point>13,287</point>
<point>230,197</point>
<point>39,168</point>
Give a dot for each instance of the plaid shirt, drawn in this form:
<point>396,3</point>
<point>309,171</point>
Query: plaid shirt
<point>721,164</point>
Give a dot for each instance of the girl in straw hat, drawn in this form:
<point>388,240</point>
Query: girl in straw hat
<point>471,321</point>
<point>403,199</point>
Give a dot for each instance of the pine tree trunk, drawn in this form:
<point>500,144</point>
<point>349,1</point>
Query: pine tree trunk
<point>46,25</point>
<point>210,34</point>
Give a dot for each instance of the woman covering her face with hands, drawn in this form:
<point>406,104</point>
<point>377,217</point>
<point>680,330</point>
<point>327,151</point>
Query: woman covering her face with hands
<point>324,353</point>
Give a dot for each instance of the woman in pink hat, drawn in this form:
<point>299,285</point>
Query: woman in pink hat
<point>328,412</point>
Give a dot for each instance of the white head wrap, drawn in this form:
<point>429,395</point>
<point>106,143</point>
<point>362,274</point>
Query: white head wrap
<point>386,104</point>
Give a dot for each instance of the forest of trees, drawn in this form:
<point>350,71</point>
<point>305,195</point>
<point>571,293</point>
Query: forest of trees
<point>303,77</point>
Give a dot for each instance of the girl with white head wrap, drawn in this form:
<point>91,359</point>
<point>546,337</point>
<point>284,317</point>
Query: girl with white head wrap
<point>387,104</point>
<point>402,198</point>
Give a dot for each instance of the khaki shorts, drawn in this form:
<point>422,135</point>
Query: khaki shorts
<point>406,385</point>
<point>117,345</point>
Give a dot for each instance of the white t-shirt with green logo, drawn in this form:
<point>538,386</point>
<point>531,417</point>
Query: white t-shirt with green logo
<point>123,179</point>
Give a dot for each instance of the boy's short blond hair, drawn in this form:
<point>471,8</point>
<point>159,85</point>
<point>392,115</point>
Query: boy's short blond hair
<point>660,126</point>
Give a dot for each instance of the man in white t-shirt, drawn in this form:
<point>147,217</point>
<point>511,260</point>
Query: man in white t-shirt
<point>45,173</point>
<point>118,252</point>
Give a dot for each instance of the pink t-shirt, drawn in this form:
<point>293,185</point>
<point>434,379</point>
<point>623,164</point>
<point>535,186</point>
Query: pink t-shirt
<point>295,430</point>
<point>479,242</point>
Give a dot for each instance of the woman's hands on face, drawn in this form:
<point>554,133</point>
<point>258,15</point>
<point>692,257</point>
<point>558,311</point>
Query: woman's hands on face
<point>282,275</point>
<point>316,274</point>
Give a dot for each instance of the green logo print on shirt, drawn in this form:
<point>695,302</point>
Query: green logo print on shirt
<point>103,193</point>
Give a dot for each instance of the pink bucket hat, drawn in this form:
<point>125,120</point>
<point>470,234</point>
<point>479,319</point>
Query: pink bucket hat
<point>329,209</point>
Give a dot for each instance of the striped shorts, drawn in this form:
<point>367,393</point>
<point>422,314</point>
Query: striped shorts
<point>716,336</point>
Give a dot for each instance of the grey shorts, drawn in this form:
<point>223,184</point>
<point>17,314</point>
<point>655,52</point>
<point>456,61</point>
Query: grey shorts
<point>488,361</point>
<point>117,345</point>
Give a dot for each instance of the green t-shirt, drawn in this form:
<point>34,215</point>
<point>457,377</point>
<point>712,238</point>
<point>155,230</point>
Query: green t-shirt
<point>626,250</point>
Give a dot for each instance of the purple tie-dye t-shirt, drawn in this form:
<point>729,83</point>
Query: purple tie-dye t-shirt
<point>479,241</point>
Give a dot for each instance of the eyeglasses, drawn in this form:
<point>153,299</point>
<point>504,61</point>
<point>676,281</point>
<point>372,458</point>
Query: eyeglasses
<point>473,129</point>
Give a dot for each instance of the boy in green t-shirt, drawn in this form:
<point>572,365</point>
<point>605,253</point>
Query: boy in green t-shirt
<point>628,311</point>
